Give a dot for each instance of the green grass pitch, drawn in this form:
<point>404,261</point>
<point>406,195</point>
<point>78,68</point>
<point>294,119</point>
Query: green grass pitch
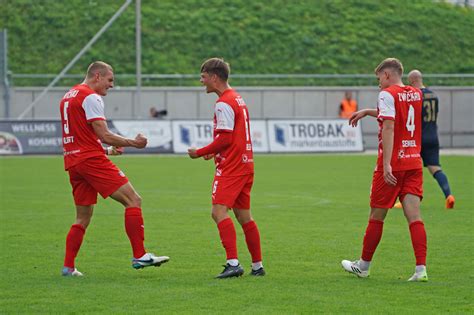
<point>312,213</point>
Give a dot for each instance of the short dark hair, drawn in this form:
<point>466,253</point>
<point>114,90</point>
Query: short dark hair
<point>390,63</point>
<point>216,66</point>
<point>98,66</point>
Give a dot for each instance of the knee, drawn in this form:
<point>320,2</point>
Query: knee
<point>377,216</point>
<point>214,216</point>
<point>135,201</point>
<point>83,221</point>
<point>412,217</point>
<point>244,219</point>
<point>218,214</point>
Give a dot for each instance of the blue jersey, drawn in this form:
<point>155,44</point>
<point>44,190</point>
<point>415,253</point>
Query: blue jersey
<point>430,116</point>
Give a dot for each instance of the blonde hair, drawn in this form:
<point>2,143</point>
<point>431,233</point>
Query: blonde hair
<point>98,66</point>
<point>390,63</point>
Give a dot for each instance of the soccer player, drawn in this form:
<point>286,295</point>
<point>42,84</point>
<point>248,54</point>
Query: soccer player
<point>429,136</point>
<point>233,156</point>
<point>91,172</point>
<point>399,169</point>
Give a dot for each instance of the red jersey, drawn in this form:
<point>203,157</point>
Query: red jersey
<point>231,115</point>
<point>403,105</point>
<point>80,106</point>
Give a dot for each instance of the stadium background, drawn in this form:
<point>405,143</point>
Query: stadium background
<point>291,60</point>
<point>294,62</point>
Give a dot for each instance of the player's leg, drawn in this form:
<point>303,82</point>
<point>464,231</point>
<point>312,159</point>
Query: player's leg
<point>430,155</point>
<point>223,197</point>
<point>74,239</point>
<point>252,238</point>
<point>443,183</point>
<point>372,237</point>
<point>382,198</point>
<point>252,235</point>
<point>411,209</point>
<point>228,237</point>
<point>134,227</point>
<point>108,180</point>
<point>411,195</point>
<point>85,197</point>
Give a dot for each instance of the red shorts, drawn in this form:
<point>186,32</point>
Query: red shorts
<point>232,191</point>
<point>384,196</point>
<point>95,175</point>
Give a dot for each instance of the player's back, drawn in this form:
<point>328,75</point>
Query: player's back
<point>403,105</point>
<point>237,159</point>
<point>430,117</point>
<point>79,139</point>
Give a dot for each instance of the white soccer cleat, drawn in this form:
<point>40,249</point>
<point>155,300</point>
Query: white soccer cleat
<point>354,267</point>
<point>421,276</point>
<point>149,259</point>
<point>71,272</point>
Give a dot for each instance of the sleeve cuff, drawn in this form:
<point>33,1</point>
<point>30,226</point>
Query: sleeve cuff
<point>96,118</point>
<point>385,118</point>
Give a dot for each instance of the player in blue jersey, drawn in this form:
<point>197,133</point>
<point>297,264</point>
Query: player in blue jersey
<point>430,142</point>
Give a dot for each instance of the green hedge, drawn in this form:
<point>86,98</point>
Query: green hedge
<point>307,36</point>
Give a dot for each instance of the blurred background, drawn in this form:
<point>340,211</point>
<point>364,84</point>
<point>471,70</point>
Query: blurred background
<point>289,60</point>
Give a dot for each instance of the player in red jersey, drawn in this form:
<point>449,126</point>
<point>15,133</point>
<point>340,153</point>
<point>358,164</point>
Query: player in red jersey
<point>233,156</point>
<point>398,173</point>
<point>91,172</point>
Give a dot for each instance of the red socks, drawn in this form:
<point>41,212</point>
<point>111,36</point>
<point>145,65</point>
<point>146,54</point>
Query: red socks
<point>372,237</point>
<point>252,238</point>
<point>418,240</point>
<point>135,230</point>
<point>228,237</point>
<point>73,244</point>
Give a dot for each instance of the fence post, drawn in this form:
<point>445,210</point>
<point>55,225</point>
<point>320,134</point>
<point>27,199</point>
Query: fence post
<point>4,71</point>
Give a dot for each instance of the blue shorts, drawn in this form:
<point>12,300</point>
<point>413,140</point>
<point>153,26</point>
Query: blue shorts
<point>430,154</point>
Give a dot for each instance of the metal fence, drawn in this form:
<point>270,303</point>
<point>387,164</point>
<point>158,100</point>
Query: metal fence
<point>42,79</point>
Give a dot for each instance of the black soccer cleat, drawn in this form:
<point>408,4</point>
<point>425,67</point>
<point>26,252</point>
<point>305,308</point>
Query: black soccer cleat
<point>231,271</point>
<point>260,272</point>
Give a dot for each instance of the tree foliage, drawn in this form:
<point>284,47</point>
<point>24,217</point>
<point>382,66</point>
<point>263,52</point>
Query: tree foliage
<point>262,36</point>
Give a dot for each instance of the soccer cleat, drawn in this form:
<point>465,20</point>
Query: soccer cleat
<point>71,272</point>
<point>260,272</point>
<point>230,271</point>
<point>450,202</point>
<point>353,267</point>
<point>419,277</point>
<point>149,259</point>
<point>398,205</point>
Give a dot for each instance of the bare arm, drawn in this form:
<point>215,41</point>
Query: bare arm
<point>387,143</point>
<point>361,114</point>
<point>110,138</point>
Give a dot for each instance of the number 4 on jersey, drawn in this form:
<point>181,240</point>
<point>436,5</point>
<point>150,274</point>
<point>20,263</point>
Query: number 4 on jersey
<point>411,120</point>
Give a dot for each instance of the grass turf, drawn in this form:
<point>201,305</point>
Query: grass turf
<point>311,211</point>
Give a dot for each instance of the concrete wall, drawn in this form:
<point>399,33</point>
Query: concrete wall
<point>455,118</point>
